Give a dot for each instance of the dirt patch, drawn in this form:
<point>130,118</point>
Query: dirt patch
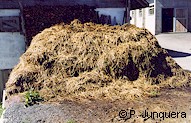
<point>94,61</point>
<point>105,111</point>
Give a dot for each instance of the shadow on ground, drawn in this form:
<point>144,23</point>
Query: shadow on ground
<point>177,54</point>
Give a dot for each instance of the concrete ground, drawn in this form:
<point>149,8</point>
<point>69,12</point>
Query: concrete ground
<point>178,46</point>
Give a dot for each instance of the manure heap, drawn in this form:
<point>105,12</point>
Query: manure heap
<point>94,61</point>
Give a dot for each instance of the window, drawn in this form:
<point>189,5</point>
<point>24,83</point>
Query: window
<point>9,24</point>
<point>140,12</point>
<point>133,13</point>
<point>151,10</point>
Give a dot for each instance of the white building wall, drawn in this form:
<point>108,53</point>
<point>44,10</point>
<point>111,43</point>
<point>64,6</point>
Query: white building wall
<point>146,20</point>
<point>132,16</point>
<point>139,18</point>
<point>150,21</point>
<point>12,44</point>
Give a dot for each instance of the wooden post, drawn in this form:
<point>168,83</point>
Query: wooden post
<point>3,99</point>
<point>126,18</point>
<point>128,12</point>
<point>23,23</point>
<point>1,84</point>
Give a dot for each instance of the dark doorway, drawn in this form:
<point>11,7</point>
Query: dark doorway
<point>167,19</point>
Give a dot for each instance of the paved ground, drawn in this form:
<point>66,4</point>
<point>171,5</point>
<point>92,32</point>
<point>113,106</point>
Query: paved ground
<point>179,47</point>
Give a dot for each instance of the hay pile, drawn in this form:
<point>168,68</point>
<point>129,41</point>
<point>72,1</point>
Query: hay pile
<point>86,61</point>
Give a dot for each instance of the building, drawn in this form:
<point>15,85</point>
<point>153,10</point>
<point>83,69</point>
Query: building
<point>13,32</point>
<point>164,16</point>
<point>12,40</point>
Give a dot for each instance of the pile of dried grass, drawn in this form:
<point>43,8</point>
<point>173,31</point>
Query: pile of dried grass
<point>95,61</point>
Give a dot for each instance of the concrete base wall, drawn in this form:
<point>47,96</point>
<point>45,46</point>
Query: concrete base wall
<point>12,46</point>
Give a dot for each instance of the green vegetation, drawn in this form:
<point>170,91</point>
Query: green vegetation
<point>154,93</point>
<point>32,97</point>
<point>71,121</point>
<point>1,110</point>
